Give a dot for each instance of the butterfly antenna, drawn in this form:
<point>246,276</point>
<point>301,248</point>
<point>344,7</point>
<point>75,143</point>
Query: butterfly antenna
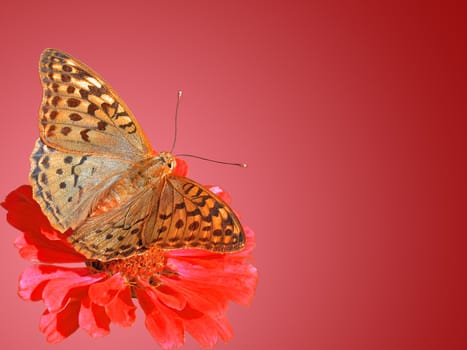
<point>241,165</point>
<point>179,97</point>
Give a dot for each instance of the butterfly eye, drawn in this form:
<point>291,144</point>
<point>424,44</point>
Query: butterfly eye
<point>171,165</point>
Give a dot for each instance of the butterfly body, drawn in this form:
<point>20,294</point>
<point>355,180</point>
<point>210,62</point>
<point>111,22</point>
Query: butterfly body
<point>145,174</point>
<point>94,171</point>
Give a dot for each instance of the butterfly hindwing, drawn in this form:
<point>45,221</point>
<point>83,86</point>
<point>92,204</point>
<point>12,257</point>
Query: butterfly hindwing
<point>80,112</point>
<point>175,213</point>
<point>190,216</point>
<point>117,233</point>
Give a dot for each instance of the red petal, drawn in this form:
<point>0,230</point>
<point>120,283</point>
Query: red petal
<point>40,241</point>
<point>205,329</point>
<point>234,281</point>
<point>250,244</point>
<point>93,319</point>
<point>200,297</point>
<point>208,283</point>
<point>181,168</point>
<point>163,324</point>
<point>33,280</point>
<point>121,309</point>
<point>115,296</point>
<point>26,215</point>
<point>23,212</point>
<point>219,191</point>
<point>171,297</point>
<point>36,247</point>
<point>59,325</point>
<point>58,291</point>
<point>103,292</point>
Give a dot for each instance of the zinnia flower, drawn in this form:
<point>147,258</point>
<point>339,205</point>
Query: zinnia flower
<point>178,290</point>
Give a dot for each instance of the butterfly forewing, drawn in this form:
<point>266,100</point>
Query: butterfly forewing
<point>82,113</point>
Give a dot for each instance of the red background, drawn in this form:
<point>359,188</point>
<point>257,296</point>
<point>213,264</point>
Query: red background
<point>351,117</point>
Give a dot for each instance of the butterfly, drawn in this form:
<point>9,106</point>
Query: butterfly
<point>93,171</point>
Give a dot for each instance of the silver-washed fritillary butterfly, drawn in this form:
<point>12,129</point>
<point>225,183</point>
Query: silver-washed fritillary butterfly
<point>94,171</point>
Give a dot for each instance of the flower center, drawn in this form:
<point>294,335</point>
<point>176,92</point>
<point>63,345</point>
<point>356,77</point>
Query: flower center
<point>145,266</point>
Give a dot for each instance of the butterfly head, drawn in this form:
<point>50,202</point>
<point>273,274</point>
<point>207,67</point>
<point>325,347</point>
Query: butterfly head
<point>167,159</point>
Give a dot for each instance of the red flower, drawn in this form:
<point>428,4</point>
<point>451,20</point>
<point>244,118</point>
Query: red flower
<point>191,292</point>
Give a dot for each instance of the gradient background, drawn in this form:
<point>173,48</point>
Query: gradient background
<point>351,117</point>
